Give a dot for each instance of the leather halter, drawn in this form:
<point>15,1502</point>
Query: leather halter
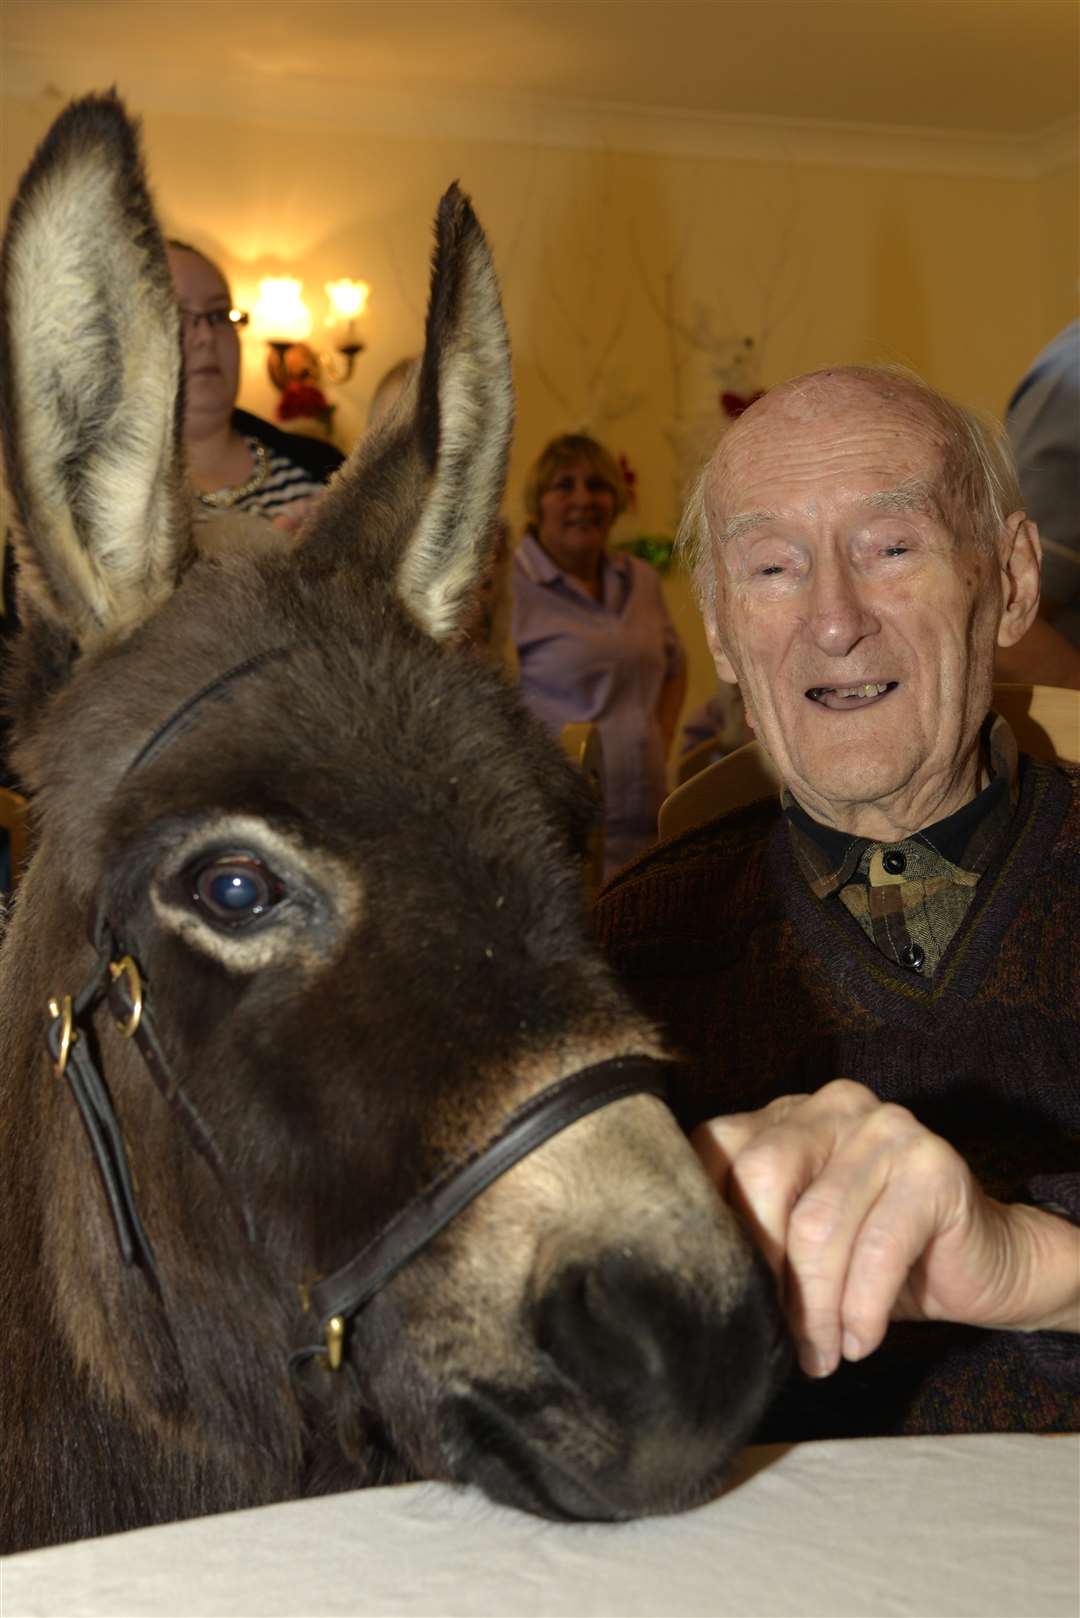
<point>338,1297</point>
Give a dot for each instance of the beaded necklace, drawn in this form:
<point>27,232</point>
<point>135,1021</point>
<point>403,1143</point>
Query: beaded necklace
<point>221,499</point>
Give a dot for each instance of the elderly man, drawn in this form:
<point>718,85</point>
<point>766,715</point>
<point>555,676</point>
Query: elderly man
<point>874,979</point>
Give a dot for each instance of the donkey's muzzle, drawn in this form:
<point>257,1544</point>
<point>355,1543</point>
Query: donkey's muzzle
<point>652,1393</point>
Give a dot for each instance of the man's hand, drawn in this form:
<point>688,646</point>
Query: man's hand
<point>865,1216</point>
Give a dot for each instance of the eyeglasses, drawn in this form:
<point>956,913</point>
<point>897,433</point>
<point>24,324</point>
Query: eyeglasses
<point>216,319</point>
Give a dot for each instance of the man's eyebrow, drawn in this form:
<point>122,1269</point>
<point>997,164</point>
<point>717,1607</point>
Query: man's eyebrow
<point>914,495</point>
<point>744,522</point>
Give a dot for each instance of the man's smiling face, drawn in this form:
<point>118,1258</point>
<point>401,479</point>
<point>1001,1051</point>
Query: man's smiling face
<point>859,626</point>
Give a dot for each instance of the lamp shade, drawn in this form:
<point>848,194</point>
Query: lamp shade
<point>280,313</point>
<point>348,299</point>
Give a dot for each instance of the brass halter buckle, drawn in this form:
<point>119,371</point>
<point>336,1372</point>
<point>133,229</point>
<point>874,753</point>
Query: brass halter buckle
<point>126,968</point>
<point>62,1009</point>
<point>333,1331</point>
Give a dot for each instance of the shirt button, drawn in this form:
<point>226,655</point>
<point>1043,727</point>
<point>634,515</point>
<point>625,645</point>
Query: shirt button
<point>894,861</point>
<point>913,955</point>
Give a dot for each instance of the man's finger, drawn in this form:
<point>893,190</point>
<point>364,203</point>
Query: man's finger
<point>854,1236</point>
<point>770,1173</point>
<point>721,1139</point>
<point>890,1240</point>
<point>719,1142</point>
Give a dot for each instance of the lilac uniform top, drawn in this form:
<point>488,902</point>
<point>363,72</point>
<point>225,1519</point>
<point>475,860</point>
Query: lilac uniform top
<point>605,661</point>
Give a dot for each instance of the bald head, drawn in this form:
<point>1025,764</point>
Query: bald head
<point>968,475</point>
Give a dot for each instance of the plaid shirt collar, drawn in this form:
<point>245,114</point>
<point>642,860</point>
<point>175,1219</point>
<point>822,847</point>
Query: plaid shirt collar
<point>963,842</point>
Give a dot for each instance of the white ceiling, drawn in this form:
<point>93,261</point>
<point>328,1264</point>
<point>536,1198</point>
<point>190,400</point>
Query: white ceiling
<point>1008,67</point>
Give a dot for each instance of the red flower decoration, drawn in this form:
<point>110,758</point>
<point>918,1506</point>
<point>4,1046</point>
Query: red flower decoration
<point>302,399</point>
<point>629,477</point>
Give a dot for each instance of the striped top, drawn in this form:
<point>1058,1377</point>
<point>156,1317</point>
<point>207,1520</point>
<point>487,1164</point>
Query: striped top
<point>283,483</point>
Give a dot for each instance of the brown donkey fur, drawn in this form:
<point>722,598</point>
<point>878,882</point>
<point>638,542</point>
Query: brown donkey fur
<point>345,862</point>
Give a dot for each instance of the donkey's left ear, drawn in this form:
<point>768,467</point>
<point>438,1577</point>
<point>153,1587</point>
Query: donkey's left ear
<point>421,490</point>
<point>465,418</point>
<point>90,380</point>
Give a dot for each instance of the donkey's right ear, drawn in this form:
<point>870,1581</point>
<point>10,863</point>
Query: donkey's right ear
<point>90,380</point>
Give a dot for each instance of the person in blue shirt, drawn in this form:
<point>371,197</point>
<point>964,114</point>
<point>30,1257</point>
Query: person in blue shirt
<point>1043,424</point>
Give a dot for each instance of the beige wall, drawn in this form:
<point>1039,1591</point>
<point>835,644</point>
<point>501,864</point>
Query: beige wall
<point>1058,247</point>
<point>962,278</point>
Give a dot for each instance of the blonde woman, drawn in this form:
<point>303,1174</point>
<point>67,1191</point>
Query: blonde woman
<point>593,635</point>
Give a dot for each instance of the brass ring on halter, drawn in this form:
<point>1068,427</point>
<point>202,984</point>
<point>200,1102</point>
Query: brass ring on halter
<point>126,968</point>
<point>63,1011</point>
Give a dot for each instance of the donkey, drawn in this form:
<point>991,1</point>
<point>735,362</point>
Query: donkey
<point>380,1186</point>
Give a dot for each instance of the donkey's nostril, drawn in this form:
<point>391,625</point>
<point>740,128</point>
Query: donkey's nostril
<point>616,1326</point>
<point>592,1323</point>
<point>651,1348</point>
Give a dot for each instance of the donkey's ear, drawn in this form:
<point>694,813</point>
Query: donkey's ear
<point>90,379</point>
<point>464,420</point>
<point>423,488</point>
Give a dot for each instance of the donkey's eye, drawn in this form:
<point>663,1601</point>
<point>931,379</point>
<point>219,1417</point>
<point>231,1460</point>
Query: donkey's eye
<point>235,889</point>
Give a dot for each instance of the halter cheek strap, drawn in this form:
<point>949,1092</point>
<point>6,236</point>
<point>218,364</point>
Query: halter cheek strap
<point>67,1038</point>
<point>70,1041</point>
<point>115,976</point>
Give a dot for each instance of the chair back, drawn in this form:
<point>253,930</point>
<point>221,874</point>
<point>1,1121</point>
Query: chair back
<point>1045,720</point>
<point>699,757</point>
<point>582,745</point>
<point>742,777</point>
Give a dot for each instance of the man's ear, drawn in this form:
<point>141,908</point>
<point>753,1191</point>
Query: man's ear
<point>723,663</point>
<point>725,668</point>
<point>1020,561</point>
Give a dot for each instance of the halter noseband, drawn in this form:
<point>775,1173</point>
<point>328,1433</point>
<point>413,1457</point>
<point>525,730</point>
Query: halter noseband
<point>338,1297</point>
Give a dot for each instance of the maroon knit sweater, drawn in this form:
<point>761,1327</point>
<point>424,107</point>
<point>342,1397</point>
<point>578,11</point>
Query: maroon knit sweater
<point>767,990</point>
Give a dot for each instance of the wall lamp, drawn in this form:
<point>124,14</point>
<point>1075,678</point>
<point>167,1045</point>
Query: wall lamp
<point>284,322</point>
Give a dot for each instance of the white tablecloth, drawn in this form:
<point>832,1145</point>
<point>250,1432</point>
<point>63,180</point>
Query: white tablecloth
<point>915,1526</point>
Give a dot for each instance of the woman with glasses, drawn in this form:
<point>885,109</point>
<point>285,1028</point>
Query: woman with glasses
<point>235,460</point>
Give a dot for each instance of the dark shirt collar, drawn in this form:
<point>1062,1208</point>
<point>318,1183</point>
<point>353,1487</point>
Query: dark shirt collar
<point>964,839</point>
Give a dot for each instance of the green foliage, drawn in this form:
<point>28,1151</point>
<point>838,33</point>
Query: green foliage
<point>656,549</point>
